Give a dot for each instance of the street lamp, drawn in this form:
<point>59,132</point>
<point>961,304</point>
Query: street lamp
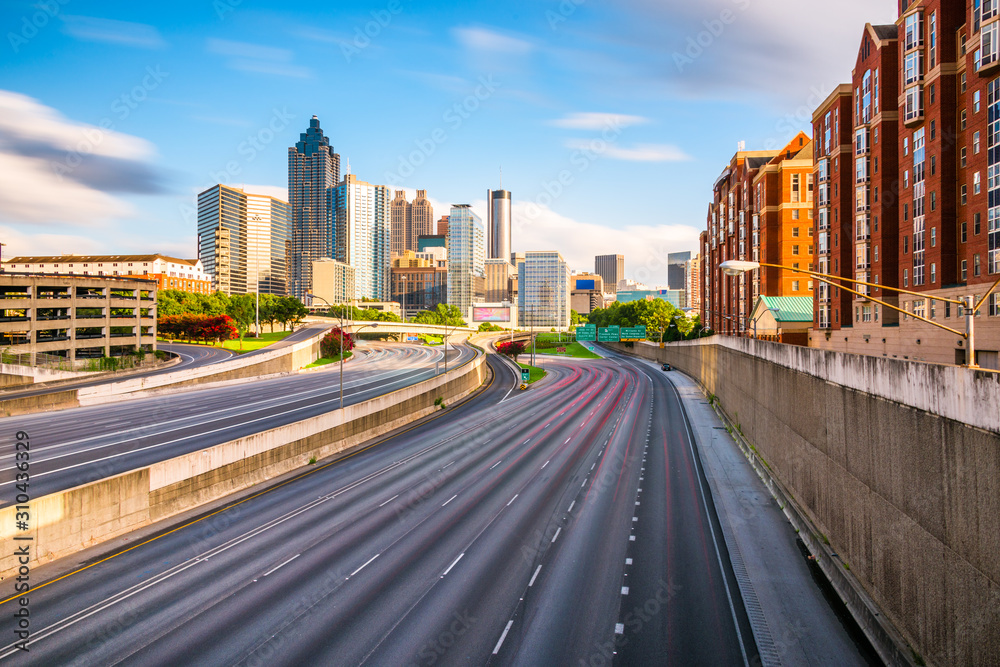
<point>736,267</point>
<point>313,296</point>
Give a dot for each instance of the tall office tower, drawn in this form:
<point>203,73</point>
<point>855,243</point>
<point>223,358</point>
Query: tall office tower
<point>500,274</point>
<point>693,285</point>
<point>222,237</point>
<point>313,168</point>
<point>498,224</point>
<point>466,258</point>
<point>359,220</point>
<point>409,221</point>
<point>677,270</point>
<point>544,296</point>
<point>442,226</point>
<point>268,241</point>
<point>611,268</point>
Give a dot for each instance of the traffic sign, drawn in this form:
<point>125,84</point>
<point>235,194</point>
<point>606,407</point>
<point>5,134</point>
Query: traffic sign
<point>586,333</point>
<point>608,334</point>
<point>525,375</point>
<point>633,333</point>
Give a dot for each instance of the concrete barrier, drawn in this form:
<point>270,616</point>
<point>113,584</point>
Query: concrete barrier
<point>895,463</point>
<point>68,521</point>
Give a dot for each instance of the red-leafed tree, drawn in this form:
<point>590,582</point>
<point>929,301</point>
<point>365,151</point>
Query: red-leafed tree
<point>202,328</point>
<point>329,346</point>
<point>511,348</point>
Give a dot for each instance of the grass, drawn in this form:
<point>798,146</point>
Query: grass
<point>428,339</point>
<point>572,350</point>
<point>535,373</point>
<point>323,361</point>
<point>249,344</point>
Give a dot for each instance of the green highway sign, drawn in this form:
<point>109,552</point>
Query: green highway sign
<point>586,333</point>
<point>525,375</point>
<point>633,333</point>
<point>608,334</point>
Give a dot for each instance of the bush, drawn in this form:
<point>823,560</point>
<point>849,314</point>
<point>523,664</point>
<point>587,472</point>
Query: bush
<point>329,346</point>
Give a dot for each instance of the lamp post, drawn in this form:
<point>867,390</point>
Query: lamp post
<point>971,307</point>
<point>313,296</point>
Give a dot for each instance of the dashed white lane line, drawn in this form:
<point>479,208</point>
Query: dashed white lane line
<point>450,499</point>
<point>571,505</point>
<point>567,440</point>
<point>619,628</point>
<point>628,561</point>
<point>513,499</point>
<point>282,565</point>
<point>496,649</point>
<point>556,536</point>
<point>450,464</point>
<point>389,501</point>
<point>453,564</point>
<point>534,576</point>
<point>593,464</point>
<point>624,590</point>
<point>363,566</point>
<point>545,464</point>
<point>496,464</point>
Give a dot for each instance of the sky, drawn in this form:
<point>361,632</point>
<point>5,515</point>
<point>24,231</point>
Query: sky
<point>608,120</point>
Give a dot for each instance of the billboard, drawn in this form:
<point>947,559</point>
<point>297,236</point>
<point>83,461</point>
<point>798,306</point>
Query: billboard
<point>489,314</point>
<point>585,284</point>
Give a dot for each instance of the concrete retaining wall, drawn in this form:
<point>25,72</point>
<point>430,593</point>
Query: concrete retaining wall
<point>885,458</point>
<point>68,521</point>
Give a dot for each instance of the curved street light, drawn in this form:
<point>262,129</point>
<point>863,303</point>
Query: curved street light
<point>736,267</point>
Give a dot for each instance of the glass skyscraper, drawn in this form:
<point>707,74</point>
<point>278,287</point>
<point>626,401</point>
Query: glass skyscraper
<point>268,242</point>
<point>466,258</point>
<point>498,224</point>
<point>543,297</point>
<point>222,237</point>
<point>359,220</point>
<point>313,168</point>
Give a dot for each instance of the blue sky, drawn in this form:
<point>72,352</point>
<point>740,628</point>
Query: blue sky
<point>610,120</point>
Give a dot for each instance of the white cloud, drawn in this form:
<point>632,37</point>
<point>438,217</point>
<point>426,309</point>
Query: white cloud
<point>256,58</point>
<point>597,121</point>
<point>638,153</point>
<point>91,29</point>
<point>56,171</point>
<point>481,39</point>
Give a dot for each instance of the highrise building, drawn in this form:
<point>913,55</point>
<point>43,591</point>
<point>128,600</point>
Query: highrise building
<point>677,270</point>
<point>466,258</point>
<point>333,282</point>
<point>586,292</point>
<point>611,268</point>
<point>222,237</point>
<point>408,221</point>
<point>692,288</point>
<point>313,168</point>
<point>268,242</point>
<point>419,282</point>
<point>359,220</point>
<point>500,274</point>
<point>442,226</point>
<point>498,224</point>
<point>544,291</point>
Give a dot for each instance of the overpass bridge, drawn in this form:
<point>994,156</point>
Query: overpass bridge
<point>399,328</point>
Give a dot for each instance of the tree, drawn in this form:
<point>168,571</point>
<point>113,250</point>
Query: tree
<point>511,348</point>
<point>290,311</point>
<point>330,344</point>
<point>487,327</point>
<point>575,318</point>
<point>243,310</point>
<point>443,314</point>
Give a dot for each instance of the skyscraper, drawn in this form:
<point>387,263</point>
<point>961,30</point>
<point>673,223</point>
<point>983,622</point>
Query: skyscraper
<point>359,220</point>
<point>498,224</point>
<point>544,290</point>
<point>268,241</point>
<point>409,221</point>
<point>677,270</point>
<point>466,258</point>
<point>611,268</point>
<point>313,168</point>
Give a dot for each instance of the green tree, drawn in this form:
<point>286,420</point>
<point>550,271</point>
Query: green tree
<point>443,314</point>
<point>575,318</point>
<point>243,310</point>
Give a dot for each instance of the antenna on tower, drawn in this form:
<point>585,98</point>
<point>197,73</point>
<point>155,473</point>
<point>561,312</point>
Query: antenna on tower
<point>347,161</point>
<point>501,178</point>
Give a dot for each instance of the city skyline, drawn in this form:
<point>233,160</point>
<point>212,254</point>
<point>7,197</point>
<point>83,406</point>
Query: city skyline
<point>154,125</point>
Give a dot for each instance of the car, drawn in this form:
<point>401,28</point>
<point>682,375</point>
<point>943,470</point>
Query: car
<point>665,367</point>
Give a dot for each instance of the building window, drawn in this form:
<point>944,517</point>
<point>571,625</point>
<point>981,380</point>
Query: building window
<point>906,245</point>
<point>964,232</point>
<point>965,193</point>
<point>906,146</point>
<point>795,285</point>
<point>975,265</point>
<point>906,178</point>
<point>964,154</point>
<point>963,116</point>
<point>795,232</point>
<point>975,224</point>
<point>976,183</point>
<point>795,214</point>
<point>965,270</point>
<point>975,99</point>
<point>795,250</point>
<point>975,143</point>
<point>906,278</point>
<point>933,163</point>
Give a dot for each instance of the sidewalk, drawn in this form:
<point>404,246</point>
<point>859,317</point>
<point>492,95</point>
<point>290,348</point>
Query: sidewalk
<point>794,623</point>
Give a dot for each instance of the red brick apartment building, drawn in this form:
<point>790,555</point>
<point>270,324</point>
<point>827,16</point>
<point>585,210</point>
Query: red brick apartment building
<point>761,210</point>
<point>918,131</point>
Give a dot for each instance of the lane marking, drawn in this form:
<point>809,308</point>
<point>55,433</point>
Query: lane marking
<point>513,499</point>
<point>619,628</point>
<point>546,463</point>
<point>452,463</point>
<point>363,566</point>
<point>624,590</point>
<point>556,536</point>
<point>282,565</point>
<point>567,440</point>
<point>628,561</point>
<point>534,576</point>
<point>496,649</point>
<point>450,499</point>
<point>571,506</point>
<point>453,564</point>
<point>389,501</point>
<point>496,464</point>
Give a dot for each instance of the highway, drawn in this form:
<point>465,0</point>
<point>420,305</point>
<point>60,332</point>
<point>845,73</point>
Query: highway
<point>72,447</point>
<point>567,524</point>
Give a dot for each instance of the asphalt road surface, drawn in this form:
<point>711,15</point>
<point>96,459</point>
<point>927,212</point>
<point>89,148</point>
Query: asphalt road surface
<point>72,447</point>
<point>567,524</point>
